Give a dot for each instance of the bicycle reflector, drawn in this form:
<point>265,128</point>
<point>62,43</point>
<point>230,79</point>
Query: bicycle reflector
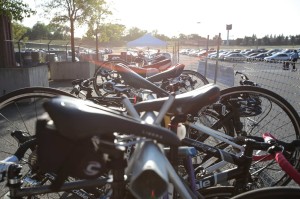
<point>147,171</point>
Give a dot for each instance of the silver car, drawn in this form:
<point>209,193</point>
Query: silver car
<point>277,57</point>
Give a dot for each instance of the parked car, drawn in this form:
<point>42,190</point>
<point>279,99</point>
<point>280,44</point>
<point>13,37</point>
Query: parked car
<point>251,55</point>
<point>260,56</point>
<point>213,55</point>
<point>288,51</point>
<point>245,50</point>
<point>184,51</point>
<point>274,51</point>
<point>223,54</point>
<point>277,57</point>
<point>193,52</point>
<point>203,53</point>
<point>235,57</point>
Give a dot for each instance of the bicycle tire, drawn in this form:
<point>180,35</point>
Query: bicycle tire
<point>281,120</point>
<point>19,110</point>
<point>283,104</point>
<point>104,74</point>
<point>271,192</point>
<point>218,192</point>
<point>192,80</point>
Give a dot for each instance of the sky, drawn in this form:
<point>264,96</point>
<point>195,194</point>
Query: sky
<point>202,17</point>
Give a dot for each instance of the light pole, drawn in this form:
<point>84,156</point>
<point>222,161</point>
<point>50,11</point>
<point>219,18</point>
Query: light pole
<point>228,27</point>
<point>198,22</point>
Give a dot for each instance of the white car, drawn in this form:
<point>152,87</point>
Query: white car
<point>235,57</point>
<point>278,57</point>
<point>223,54</point>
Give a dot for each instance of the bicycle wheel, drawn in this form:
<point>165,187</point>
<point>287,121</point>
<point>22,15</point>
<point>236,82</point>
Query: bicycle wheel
<point>218,192</point>
<point>19,111</point>
<point>104,74</point>
<point>271,192</point>
<point>252,111</point>
<point>191,80</point>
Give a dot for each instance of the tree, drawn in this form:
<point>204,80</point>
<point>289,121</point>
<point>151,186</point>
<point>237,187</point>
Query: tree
<point>19,31</point>
<point>266,40</point>
<point>39,31</point>
<point>10,10</point>
<point>134,33</point>
<point>98,12</point>
<point>57,31</point>
<point>111,32</point>
<point>74,12</point>
<point>297,39</point>
<point>160,36</point>
<point>182,36</point>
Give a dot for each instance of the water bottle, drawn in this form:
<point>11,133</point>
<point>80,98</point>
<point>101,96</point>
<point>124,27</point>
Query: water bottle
<point>181,131</point>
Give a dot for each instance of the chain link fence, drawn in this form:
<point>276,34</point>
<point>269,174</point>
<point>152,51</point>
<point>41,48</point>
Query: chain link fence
<point>268,75</point>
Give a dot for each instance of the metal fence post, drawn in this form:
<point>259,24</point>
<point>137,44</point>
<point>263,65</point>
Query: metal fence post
<point>217,61</point>
<point>205,70</point>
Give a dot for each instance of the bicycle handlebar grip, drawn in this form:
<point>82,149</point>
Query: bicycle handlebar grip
<point>282,161</point>
<point>287,167</point>
<point>268,137</point>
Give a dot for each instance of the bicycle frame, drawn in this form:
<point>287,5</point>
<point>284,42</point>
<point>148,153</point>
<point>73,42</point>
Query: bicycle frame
<point>219,136</point>
<point>243,164</point>
<point>213,133</point>
<point>16,191</point>
<point>72,187</point>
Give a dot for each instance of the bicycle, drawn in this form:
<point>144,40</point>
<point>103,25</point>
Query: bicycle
<point>153,105</point>
<point>279,148</point>
<point>150,87</point>
<point>246,111</point>
<point>64,138</point>
<point>178,103</point>
<point>179,112</point>
<point>107,72</point>
<point>19,111</point>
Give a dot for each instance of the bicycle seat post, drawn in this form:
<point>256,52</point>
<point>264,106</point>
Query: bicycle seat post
<point>164,109</point>
<point>130,108</point>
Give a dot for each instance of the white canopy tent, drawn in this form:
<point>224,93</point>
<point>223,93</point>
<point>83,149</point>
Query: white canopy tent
<point>147,40</point>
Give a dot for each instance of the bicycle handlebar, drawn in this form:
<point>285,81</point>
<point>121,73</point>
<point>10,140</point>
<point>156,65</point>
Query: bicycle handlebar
<point>245,80</point>
<point>83,84</point>
<point>281,160</point>
<point>243,75</point>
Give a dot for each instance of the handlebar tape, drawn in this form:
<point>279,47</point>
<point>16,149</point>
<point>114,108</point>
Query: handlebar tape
<point>267,138</point>
<point>262,157</point>
<point>287,167</point>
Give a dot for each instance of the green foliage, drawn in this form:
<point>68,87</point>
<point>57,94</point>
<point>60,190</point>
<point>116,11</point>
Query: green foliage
<point>70,10</point>
<point>75,12</point>
<point>15,9</point>
<point>269,40</point>
<point>108,32</point>
<point>39,31</point>
<point>112,32</point>
<point>134,33</point>
<point>19,31</point>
